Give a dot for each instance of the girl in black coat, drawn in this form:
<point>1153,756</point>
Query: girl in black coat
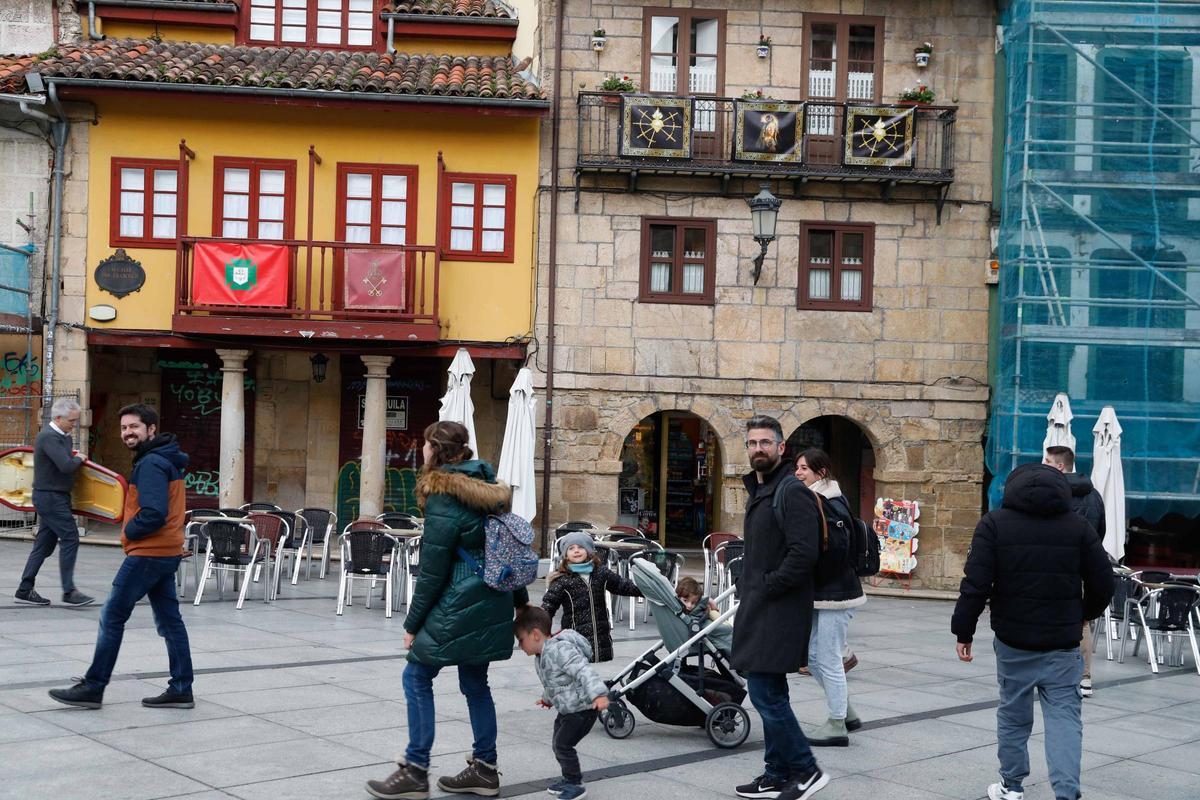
<point>577,586</point>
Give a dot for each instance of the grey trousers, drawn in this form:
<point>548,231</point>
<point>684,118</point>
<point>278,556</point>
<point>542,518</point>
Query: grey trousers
<point>1055,676</point>
<point>56,526</point>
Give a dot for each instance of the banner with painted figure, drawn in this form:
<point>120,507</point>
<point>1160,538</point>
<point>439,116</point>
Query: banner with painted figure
<point>227,274</point>
<point>897,528</point>
<point>375,280</point>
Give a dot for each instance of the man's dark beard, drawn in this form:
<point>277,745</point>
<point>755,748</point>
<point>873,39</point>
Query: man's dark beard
<point>771,463</point>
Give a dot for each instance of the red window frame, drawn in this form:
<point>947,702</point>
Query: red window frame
<point>147,239</point>
<point>255,165</point>
<point>678,259</point>
<point>835,301</point>
<point>510,204</point>
<point>377,172</point>
<point>310,28</point>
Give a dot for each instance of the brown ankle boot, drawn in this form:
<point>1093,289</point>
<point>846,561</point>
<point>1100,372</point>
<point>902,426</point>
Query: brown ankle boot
<point>406,783</point>
<point>479,777</point>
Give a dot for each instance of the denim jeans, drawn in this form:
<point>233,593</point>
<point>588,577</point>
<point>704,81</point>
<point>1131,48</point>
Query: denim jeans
<point>1055,676</point>
<point>56,526</point>
<point>138,577</point>
<point>825,645</point>
<point>569,730</point>
<point>786,750</point>
<point>418,694</point>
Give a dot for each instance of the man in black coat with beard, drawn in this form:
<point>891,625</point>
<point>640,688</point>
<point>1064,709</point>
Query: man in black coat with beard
<point>774,616</point>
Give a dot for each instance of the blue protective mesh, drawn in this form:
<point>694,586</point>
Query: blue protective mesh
<point>14,273</point>
<point>1100,240</point>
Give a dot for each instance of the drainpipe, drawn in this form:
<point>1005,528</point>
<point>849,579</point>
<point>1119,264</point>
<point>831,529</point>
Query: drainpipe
<point>91,32</point>
<point>60,128</point>
<point>552,270</point>
<point>391,35</point>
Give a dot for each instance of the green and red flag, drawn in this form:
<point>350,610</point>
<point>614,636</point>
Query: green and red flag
<point>225,274</point>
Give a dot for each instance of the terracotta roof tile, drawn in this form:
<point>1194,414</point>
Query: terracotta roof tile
<point>191,63</point>
<point>450,8</point>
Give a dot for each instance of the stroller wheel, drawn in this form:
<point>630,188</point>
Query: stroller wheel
<point>727,725</point>
<point>617,720</point>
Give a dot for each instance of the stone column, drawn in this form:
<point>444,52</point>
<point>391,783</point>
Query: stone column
<point>374,452</point>
<point>232,485</point>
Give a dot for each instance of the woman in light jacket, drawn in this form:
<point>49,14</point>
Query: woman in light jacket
<point>838,592</point>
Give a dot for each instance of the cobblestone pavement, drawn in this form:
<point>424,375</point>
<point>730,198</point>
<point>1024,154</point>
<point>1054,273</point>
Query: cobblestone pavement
<point>295,702</point>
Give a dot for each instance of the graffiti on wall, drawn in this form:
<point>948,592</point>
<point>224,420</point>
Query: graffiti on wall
<point>198,386</point>
<point>205,483</point>
<point>398,491</point>
<point>20,374</point>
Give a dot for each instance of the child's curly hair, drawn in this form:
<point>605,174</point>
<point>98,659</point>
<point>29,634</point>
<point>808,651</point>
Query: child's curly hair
<point>688,587</point>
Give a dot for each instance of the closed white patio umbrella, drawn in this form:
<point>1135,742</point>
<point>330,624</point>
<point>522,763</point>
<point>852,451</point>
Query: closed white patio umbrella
<point>1058,424</point>
<point>516,455</point>
<point>456,404</point>
<point>1109,479</point>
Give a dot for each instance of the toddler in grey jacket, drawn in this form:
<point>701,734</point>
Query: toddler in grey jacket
<point>570,686</point>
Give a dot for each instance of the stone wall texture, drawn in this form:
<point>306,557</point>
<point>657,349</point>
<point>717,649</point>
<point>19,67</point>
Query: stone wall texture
<point>911,373</point>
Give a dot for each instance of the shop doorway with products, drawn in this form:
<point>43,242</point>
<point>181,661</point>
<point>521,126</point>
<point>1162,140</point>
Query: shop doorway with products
<point>850,451</point>
<point>669,485</point>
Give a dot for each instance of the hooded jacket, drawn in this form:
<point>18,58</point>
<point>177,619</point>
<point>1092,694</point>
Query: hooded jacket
<point>585,609</point>
<point>774,615</point>
<point>564,667</point>
<point>837,585</point>
<point>1040,565</point>
<point>156,500</point>
<point>455,617</point>
<point>1086,501</point>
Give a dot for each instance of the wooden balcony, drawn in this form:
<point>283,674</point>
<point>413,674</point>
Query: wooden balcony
<point>714,151</point>
<point>316,305</point>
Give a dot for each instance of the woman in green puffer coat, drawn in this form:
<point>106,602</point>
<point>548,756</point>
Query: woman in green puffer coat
<point>454,618</point>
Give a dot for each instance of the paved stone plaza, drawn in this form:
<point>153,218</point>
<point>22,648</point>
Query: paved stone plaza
<point>294,702</point>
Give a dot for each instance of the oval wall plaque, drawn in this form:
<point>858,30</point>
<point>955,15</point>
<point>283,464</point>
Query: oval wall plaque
<point>119,274</point>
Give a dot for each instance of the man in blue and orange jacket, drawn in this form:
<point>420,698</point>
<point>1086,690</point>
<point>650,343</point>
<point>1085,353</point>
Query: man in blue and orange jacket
<point>153,543</point>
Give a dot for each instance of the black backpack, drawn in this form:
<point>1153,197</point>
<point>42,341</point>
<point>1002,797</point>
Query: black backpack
<point>835,540</point>
<point>864,545</point>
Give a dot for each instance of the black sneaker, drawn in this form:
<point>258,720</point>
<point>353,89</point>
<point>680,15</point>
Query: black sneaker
<point>78,695</point>
<point>31,598</point>
<point>169,699</point>
<point>762,787</point>
<point>77,598</point>
<point>805,786</point>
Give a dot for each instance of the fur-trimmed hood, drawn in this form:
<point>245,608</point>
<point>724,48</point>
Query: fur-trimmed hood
<point>472,483</point>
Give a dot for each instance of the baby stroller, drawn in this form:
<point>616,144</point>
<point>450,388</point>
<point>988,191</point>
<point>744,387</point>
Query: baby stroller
<point>691,683</point>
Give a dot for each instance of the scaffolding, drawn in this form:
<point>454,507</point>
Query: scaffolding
<point>1099,244</point>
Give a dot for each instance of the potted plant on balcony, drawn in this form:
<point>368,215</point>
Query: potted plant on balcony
<point>757,94</point>
<point>764,46</point>
<point>920,96</point>
<point>922,54</point>
<point>599,39</point>
<point>614,87</point>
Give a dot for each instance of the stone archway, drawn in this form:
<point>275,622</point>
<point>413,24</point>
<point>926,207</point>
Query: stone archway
<point>885,442</point>
<point>850,449</point>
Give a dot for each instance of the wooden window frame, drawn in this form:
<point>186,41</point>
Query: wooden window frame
<point>867,229</point>
<point>255,165</point>
<point>377,171</point>
<point>685,16</point>
<point>147,240</point>
<point>310,29</point>
<point>645,295</point>
<point>842,78</point>
<point>510,205</point>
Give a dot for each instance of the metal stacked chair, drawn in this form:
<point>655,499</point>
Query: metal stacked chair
<point>1167,614</point>
<point>367,554</point>
<point>251,507</point>
<point>232,546</point>
<point>322,525</point>
<point>399,520</point>
<point>273,531</point>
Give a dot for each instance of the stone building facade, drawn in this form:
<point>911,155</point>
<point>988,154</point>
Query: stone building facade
<point>909,371</point>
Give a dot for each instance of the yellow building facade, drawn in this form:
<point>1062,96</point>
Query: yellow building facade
<point>378,172</point>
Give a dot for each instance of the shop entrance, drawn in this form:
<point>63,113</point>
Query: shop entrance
<point>850,451</point>
<point>670,478</point>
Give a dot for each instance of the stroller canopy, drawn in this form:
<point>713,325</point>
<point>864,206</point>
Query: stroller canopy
<point>673,621</point>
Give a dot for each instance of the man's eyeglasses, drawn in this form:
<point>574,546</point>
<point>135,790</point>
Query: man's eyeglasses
<point>760,444</point>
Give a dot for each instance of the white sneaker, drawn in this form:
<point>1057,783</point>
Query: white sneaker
<point>998,791</point>
<point>1085,687</point>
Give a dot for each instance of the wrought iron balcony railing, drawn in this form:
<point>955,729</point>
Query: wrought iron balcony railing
<point>317,289</point>
<point>721,136</point>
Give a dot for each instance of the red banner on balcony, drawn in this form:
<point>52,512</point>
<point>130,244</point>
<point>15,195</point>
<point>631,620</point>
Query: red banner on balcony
<point>375,280</point>
<point>240,274</point>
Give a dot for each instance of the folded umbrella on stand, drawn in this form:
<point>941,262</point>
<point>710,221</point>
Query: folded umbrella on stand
<point>1058,424</point>
<point>456,403</point>
<point>1109,479</point>
<point>516,455</point>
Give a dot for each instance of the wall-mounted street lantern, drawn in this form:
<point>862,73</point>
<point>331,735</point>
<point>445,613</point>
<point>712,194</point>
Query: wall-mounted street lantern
<point>764,215</point>
<point>319,362</point>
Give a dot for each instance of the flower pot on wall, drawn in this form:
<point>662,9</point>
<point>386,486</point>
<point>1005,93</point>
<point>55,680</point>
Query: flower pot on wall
<point>763,50</point>
<point>922,59</point>
<point>598,43</point>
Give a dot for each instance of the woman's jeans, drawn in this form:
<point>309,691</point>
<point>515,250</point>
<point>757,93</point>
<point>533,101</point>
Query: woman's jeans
<point>418,694</point>
<point>1052,676</point>
<point>825,645</point>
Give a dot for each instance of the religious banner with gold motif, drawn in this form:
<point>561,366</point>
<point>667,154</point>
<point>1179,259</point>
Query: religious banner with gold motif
<point>375,280</point>
<point>880,136</point>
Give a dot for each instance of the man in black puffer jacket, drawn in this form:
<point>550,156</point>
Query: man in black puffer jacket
<point>1045,572</point>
